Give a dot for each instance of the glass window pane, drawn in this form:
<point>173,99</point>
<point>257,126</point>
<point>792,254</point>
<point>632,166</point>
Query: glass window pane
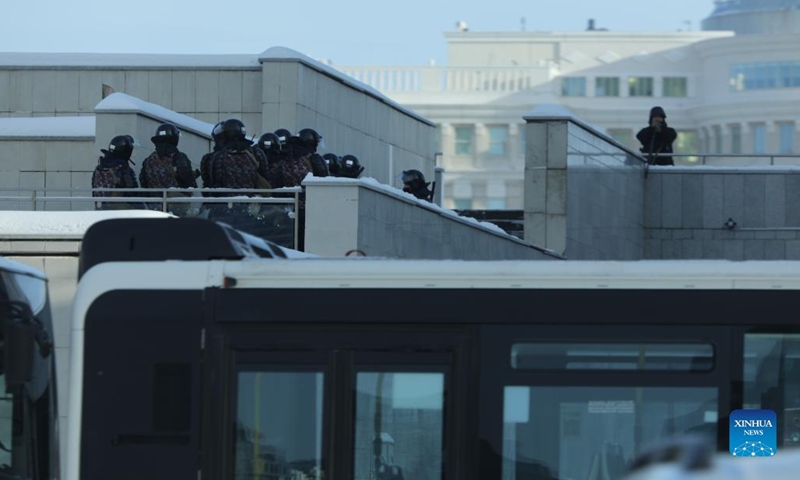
<point>787,138</point>
<point>573,86</point>
<point>606,87</point>
<point>612,356</point>
<point>772,381</point>
<point>623,136</point>
<point>462,204</point>
<point>496,204</point>
<point>640,87</point>
<point>522,139</point>
<point>399,425</point>
<point>498,136</point>
<point>759,138</point>
<point>463,140</point>
<point>675,87</point>
<point>279,425</point>
<point>594,432</point>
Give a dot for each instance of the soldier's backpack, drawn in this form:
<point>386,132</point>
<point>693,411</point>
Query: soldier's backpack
<point>293,171</point>
<point>107,177</point>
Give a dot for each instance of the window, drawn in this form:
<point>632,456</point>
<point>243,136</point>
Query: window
<point>606,87</point>
<point>717,139</point>
<point>687,142</point>
<point>498,138</point>
<point>759,138</point>
<point>523,148</point>
<point>573,86</point>
<point>399,425</point>
<point>674,357</point>
<point>736,139</point>
<point>464,140</point>
<point>462,204</point>
<point>772,380</point>
<point>622,136</point>
<point>496,204</point>
<point>675,87</point>
<point>764,75</point>
<point>593,432</point>
<point>279,425</point>
<point>640,86</point>
<point>786,138</point>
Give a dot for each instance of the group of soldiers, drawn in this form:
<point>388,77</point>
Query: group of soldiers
<point>278,160</point>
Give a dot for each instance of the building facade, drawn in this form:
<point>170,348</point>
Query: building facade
<point>732,92</point>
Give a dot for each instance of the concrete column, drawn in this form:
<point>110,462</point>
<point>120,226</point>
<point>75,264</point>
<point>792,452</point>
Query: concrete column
<point>545,184</point>
<point>331,218</point>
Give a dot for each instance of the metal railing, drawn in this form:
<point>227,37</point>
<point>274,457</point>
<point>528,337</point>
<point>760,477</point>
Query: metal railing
<point>179,202</point>
<point>761,158</point>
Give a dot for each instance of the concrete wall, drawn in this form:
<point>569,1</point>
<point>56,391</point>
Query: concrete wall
<point>278,88</point>
<point>584,193</point>
<point>687,208</point>
<point>386,138</point>
<point>204,91</point>
<point>345,215</point>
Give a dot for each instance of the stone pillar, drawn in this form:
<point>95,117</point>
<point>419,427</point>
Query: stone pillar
<point>545,184</point>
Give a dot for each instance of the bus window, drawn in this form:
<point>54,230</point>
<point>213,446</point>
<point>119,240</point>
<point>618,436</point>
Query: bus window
<point>279,425</point>
<point>675,357</point>
<point>399,425</point>
<point>594,432</point>
<point>772,381</point>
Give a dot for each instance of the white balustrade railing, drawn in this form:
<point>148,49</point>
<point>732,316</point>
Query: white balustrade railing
<point>450,79</point>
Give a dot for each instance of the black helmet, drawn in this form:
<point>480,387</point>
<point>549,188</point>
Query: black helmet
<point>333,162</point>
<point>216,132</point>
<point>233,129</point>
<point>269,142</point>
<point>121,146</point>
<point>310,138</point>
<point>283,135</point>
<point>166,133</point>
<point>351,167</point>
<point>413,178</point>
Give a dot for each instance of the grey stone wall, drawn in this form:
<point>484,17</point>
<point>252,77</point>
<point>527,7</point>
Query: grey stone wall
<point>346,215</point>
<point>687,209</point>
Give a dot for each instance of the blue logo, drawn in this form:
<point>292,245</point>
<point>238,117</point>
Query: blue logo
<point>753,433</point>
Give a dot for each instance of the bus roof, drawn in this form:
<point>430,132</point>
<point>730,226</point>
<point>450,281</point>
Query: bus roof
<point>62,225</point>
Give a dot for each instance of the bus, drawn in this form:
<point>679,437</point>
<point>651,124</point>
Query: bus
<point>199,353</point>
<point>29,436</point>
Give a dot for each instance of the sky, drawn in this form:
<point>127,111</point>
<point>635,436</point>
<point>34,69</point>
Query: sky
<point>346,32</point>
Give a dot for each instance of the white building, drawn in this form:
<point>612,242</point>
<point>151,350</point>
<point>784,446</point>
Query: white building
<point>731,90</point>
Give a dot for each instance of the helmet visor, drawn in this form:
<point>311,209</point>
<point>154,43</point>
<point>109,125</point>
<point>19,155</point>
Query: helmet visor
<point>321,144</point>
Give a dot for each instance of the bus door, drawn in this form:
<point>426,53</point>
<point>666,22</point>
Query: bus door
<point>583,401</point>
<point>363,405</point>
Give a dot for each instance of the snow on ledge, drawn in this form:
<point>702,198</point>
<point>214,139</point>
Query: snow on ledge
<point>277,54</point>
<point>389,190</point>
<point>62,225</point>
<point>124,103</point>
<point>48,127</point>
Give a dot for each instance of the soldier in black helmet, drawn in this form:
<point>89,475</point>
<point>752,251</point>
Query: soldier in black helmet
<point>167,167</point>
<point>415,184</point>
<point>351,167</point>
<point>333,162</point>
<point>114,171</point>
